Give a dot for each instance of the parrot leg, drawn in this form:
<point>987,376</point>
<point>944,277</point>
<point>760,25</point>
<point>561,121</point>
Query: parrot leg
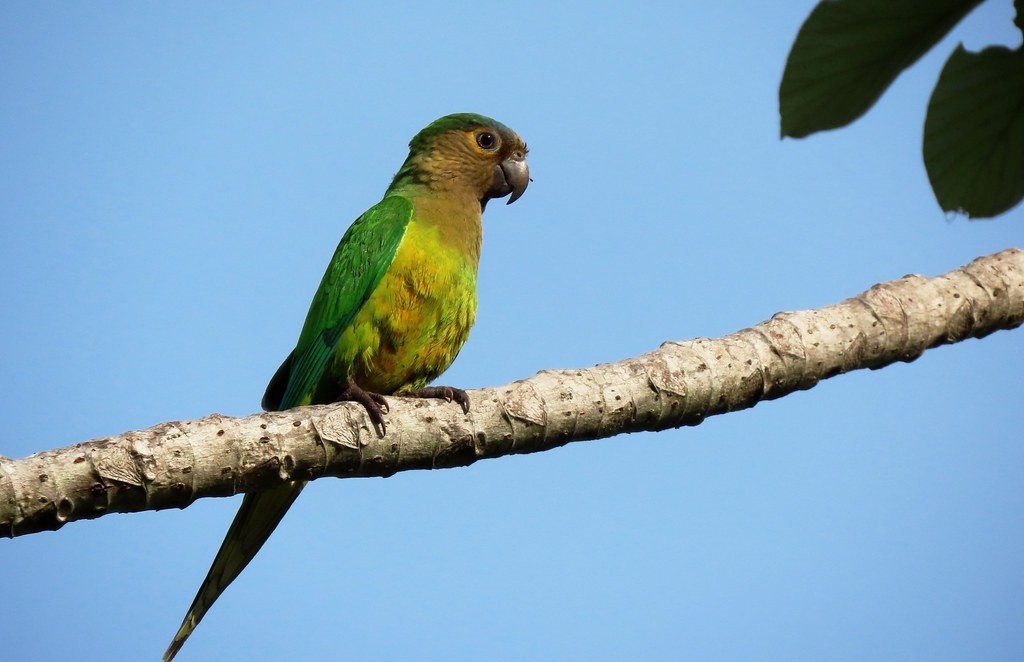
<point>446,393</point>
<point>374,403</point>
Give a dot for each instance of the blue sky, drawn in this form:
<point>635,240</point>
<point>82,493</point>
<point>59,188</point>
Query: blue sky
<point>175,177</point>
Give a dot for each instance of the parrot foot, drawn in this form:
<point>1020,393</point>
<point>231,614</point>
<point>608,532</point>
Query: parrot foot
<point>446,393</point>
<point>374,403</point>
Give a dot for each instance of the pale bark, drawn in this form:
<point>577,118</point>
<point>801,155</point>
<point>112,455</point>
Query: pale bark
<point>681,383</point>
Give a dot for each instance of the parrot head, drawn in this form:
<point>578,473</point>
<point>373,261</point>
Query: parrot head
<point>468,154</point>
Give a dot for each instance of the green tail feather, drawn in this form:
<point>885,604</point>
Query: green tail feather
<point>255,521</point>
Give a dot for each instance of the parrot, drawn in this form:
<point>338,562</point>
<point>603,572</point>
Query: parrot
<point>393,309</point>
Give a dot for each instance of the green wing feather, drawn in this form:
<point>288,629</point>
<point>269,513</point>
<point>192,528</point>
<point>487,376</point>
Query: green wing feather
<point>360,261</point>
<point>363,256</point>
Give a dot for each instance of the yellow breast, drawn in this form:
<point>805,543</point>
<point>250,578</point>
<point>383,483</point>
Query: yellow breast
<point>417,319</point>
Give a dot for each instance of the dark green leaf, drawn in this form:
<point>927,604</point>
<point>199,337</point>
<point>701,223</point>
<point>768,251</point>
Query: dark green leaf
<point>849,51</point>
<point>1018,20</point>
<point>974,132</point>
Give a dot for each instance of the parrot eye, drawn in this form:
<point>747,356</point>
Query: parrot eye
<point>487,140</point>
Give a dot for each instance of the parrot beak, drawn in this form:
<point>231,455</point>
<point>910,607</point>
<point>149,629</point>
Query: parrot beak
<point>510,176</point>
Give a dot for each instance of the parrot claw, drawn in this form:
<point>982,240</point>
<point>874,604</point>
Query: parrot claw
<point>381,402</point>
<point>446,393</point>
<point>374,403</point>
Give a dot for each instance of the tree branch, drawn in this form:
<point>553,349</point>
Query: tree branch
<point>173,464</point>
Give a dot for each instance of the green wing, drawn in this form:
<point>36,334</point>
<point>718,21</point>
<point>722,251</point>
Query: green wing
<point>360,261</point>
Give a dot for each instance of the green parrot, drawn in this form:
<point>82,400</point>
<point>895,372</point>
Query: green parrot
<point>393,309</point>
